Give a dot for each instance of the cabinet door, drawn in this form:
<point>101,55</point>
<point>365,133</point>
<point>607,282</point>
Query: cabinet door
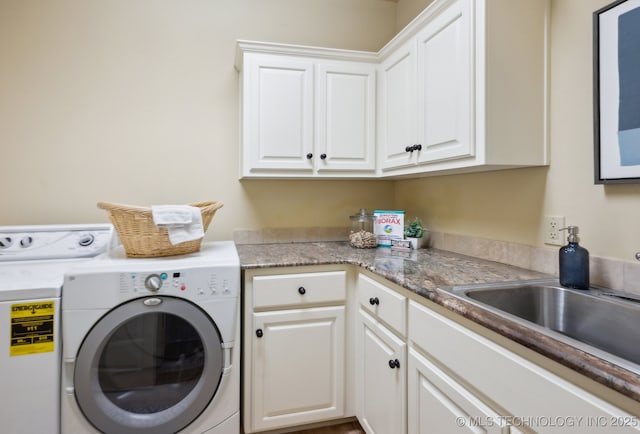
<point>382,378</point>
<point>345,129</point>
<point>438,404</point>
<point>297,366</point>
<point>445,88</point>
<point>517,385</point>
<point>277,129</point>
<point>397,107</point>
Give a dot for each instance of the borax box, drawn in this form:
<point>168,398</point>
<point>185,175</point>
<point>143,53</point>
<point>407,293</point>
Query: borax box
<point>388,225</point>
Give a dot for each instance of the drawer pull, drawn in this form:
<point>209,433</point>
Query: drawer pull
<point>374,301</point>
<point>394,363</point>
<point>259,333</point>
<point>302,291</point>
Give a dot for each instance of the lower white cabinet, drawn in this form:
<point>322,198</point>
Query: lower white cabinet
<point>521,393</point>
<point>294,348</point>
<point>320,346</point>
<point>438,404</point>
<point>382,379</point>
<point>298,372</point>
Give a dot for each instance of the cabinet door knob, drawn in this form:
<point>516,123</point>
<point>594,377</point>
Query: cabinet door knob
<point>408,149</point>
<point>302,291</point>
<point>417,147</point>
<point>394,363</point>
<point>309,156</point>
<point>323,156</point>
<point>373,301</point>
<point>259,333</point>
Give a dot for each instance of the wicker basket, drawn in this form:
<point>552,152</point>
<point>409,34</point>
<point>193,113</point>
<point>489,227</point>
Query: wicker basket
<point>140,236</point>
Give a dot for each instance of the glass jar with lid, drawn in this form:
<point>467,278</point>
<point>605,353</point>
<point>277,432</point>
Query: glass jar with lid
<point>361,235</point>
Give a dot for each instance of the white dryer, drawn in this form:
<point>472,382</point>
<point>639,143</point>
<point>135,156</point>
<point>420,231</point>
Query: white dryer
<point>33,260</point>
<point>152,345</point>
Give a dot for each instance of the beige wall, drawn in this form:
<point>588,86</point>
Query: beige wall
<point>137,102</point>
<point>408,10</point>
<point>510,205</point>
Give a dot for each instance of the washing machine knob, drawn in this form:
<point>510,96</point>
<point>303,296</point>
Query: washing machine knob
<point>5,242</point>
<point>153,282</point>
<point>86,240</point>
<point>26,241</point>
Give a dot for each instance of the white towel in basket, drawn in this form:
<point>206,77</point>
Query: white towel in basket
<point>183,222</point>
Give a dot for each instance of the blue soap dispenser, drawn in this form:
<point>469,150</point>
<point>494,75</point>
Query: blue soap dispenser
<point>574,262</point>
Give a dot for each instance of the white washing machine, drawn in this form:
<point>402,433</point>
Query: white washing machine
<point>152,345</point>
<point>33,260</point>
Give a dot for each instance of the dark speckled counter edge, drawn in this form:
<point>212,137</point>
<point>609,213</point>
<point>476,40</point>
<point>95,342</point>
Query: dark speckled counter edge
<point>422,272</point>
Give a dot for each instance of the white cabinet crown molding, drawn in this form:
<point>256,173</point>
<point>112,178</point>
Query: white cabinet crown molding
<point>245,46</point>
<point>409,31</point>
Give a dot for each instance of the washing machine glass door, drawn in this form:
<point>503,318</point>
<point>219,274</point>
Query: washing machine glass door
<point>151,365</point>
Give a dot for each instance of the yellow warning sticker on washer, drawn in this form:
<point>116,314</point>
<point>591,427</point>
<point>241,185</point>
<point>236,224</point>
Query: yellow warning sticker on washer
<point>32,328</point>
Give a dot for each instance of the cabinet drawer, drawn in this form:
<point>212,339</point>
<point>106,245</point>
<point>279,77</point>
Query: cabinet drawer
<point>299,289</point>
<point>384,303</point>
<point>521,387</point>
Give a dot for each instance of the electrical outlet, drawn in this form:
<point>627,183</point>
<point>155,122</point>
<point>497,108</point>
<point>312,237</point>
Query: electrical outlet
<point>552,233</point>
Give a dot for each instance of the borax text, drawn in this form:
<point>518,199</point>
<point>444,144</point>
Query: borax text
<point>389,220</point>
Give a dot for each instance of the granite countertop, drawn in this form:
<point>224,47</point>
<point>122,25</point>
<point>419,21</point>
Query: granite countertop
<point>423,271</point>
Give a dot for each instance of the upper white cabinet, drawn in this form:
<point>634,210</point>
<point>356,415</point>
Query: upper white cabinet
<point>445,85</point>
<point>462,88</point>
<point>478,71</point>
<point>278,118</point>
<point>305,115</point>
<point>425,93</point>
<point>345,118</point>
<point>397,107</point>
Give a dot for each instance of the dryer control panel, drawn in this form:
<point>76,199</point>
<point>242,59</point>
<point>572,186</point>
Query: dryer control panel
<point>191,283</point>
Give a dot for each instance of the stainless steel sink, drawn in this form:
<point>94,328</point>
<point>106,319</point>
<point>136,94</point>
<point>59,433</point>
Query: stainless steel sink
<point>599,321</point>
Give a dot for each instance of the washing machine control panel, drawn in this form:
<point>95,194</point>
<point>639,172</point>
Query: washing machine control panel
<point>28,243</point>
<point>193,283</point>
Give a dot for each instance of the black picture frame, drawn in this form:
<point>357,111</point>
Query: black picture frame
<point>616,92</point>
